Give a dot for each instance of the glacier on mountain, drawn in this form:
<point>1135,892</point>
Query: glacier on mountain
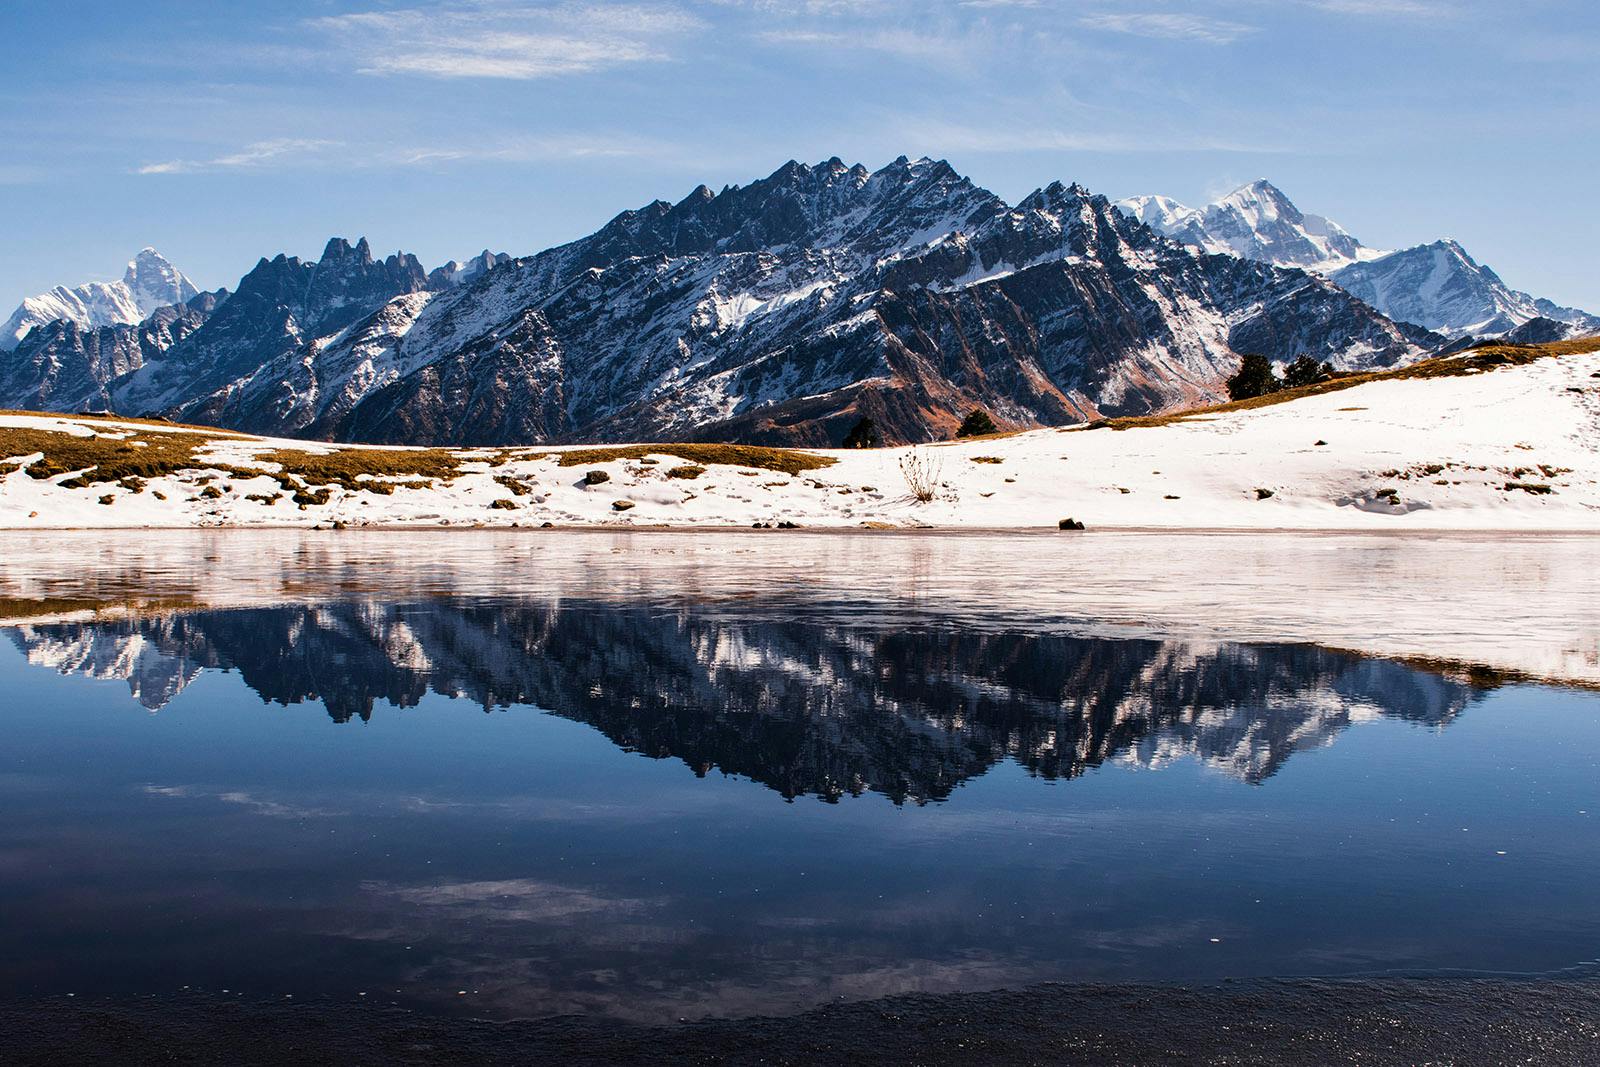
<point>1255,221</point>
<point>1437,286</point>
<point>148,283</point>
<point>1443,288</point>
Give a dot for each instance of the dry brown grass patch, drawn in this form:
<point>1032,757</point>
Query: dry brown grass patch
<point>102,459</point>
<point>354,468</point>
<point>787,460</point>
<point>132,460</point>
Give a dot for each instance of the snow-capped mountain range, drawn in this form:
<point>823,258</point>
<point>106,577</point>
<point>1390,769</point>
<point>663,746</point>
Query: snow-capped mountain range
<point>1255,221</point>
<point>150,282</point>
<point>779,311</point>
<point>1441,287</point>
<point>1437,286</point>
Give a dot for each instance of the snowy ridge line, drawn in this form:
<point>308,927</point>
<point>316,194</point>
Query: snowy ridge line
<point>1516,447</point>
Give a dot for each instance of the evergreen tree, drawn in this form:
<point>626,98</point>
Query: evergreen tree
<point>977,424</point>
<point>864,434</point>
<point>1306,371</point>
<point>1255,378</point>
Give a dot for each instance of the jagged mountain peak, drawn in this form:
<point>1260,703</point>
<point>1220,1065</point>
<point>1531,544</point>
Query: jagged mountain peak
<point>799,205</point>
<point>1088,223</point>
<point>148,261</point>
<point>778,310</point>
<point>1261,204</point>
<point>148,282</point>
<point>1255,221</point>
<point>155,282</point>
<point>281,304</point>
<point>1259,191</point>
<point>339,249</point>
<point>831,186</point>
<point>1057,195</point>
<point>454,273</point>
<point>1440,286</point>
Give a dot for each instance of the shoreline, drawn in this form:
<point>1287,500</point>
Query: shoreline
<point>1500,607</point>
<point>1491,533</point>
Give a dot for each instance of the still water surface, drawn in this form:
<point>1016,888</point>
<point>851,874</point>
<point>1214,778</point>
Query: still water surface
<point>598,778</point>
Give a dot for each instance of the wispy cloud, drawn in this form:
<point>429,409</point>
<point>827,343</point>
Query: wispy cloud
<point>1172,27</point>
<point>906,44</point>
<point>1384,8</point>
<point>813,7</point>
<point>527,150</point>
<point>518,41</point>
<point>308,153</point>
<point>255,154</point>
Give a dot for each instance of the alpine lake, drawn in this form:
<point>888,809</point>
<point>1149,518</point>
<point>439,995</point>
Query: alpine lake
<point>651,777</point>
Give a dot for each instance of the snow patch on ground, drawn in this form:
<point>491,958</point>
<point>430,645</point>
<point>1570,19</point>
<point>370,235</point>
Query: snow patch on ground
<point>1516,448</point>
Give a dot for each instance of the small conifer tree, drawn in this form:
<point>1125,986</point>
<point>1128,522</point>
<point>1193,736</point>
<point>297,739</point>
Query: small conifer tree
<point>977,424</point>
<point>1306,371</point>
<point>864,434</point>
<point>1255,378</point>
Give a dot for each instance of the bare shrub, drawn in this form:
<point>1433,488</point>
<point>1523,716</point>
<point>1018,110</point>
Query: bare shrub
<point>920,468</point>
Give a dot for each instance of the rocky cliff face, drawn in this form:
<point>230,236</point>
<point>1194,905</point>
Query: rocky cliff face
<point>62,366</point>
<point>780,311</point>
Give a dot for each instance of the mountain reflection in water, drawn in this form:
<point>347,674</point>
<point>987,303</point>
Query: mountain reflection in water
<point>805,708</point>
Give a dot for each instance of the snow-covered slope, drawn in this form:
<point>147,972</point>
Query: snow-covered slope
<point>1514,447</point>
<point>1443,288</point>
<point>1255,221</point>
<point>1437,286</point>
<point>150,282</point>
<point>453,273</point>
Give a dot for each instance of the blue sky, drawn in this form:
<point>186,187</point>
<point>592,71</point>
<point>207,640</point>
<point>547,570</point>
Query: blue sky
<point>222,132</point>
